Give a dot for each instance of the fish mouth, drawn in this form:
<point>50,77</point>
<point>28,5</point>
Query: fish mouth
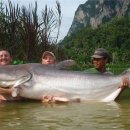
<point>15,82</point>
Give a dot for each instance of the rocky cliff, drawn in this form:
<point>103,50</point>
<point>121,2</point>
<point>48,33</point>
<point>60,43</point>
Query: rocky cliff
<point>96,12</point>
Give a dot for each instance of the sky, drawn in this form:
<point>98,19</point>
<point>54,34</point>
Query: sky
<point>68,8</point>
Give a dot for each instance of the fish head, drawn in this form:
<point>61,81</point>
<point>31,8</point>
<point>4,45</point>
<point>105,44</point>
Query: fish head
<point>13,75</point>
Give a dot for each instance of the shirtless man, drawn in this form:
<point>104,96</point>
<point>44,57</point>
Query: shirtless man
<point>5,59</point>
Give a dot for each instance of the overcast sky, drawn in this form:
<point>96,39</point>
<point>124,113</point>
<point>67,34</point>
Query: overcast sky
<point>68,8</point>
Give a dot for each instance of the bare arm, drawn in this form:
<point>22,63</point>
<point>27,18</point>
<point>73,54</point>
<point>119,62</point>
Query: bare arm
<point>124,84</point>
<point>5,91</point>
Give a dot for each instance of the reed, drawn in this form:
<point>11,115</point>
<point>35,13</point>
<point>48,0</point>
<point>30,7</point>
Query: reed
<point>25,34</point>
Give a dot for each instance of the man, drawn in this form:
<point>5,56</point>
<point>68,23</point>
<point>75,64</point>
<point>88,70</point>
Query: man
<point>48,58</point>
<point>99,59</point>
<point>5,59</point>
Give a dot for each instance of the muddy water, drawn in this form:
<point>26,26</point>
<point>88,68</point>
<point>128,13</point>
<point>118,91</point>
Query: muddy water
<point>73,116</point>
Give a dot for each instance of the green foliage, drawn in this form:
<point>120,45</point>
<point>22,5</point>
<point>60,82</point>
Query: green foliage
<point>118,68</point>
<point>16,62</point>
<point>113,35</point>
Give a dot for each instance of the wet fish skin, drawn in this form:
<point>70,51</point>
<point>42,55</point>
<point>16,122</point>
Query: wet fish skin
<point>49,80</point>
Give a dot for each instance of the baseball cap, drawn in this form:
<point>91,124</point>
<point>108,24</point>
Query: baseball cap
<point>48,52</point>
<point>101,53</point>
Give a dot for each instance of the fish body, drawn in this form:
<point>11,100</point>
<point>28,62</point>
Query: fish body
<point>49,80</point>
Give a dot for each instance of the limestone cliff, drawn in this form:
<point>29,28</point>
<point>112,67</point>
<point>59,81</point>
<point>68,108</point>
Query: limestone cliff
<point>96,12</point>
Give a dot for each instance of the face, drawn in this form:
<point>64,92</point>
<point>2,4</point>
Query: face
<point>99,63</point>
<point>5,58</point>
<point>48,59</point>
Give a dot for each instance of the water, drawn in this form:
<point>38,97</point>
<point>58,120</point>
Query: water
<point>73,116</point>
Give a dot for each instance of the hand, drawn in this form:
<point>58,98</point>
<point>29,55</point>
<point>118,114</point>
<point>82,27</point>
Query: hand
<point>2,98</point>
<point>54,99</point>
<point>125,82</point>
<point>48,99</point>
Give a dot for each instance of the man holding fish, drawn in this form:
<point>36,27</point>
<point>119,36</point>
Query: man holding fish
<point>48,58</point>
<point>99,63</point>
<point>99,60</point>
<point>5,59</point>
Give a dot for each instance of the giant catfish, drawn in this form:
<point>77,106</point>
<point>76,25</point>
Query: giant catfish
<point>36,81</point>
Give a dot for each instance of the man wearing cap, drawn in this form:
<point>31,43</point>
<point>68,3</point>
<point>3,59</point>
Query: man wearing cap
<point>48,58</point>
<point>100,58</point>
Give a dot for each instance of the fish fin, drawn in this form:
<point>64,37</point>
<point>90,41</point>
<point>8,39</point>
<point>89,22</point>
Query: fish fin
<point>112,96</point>
<point>20,81</point>
<point>15,92</point>
<point>60,100</point>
